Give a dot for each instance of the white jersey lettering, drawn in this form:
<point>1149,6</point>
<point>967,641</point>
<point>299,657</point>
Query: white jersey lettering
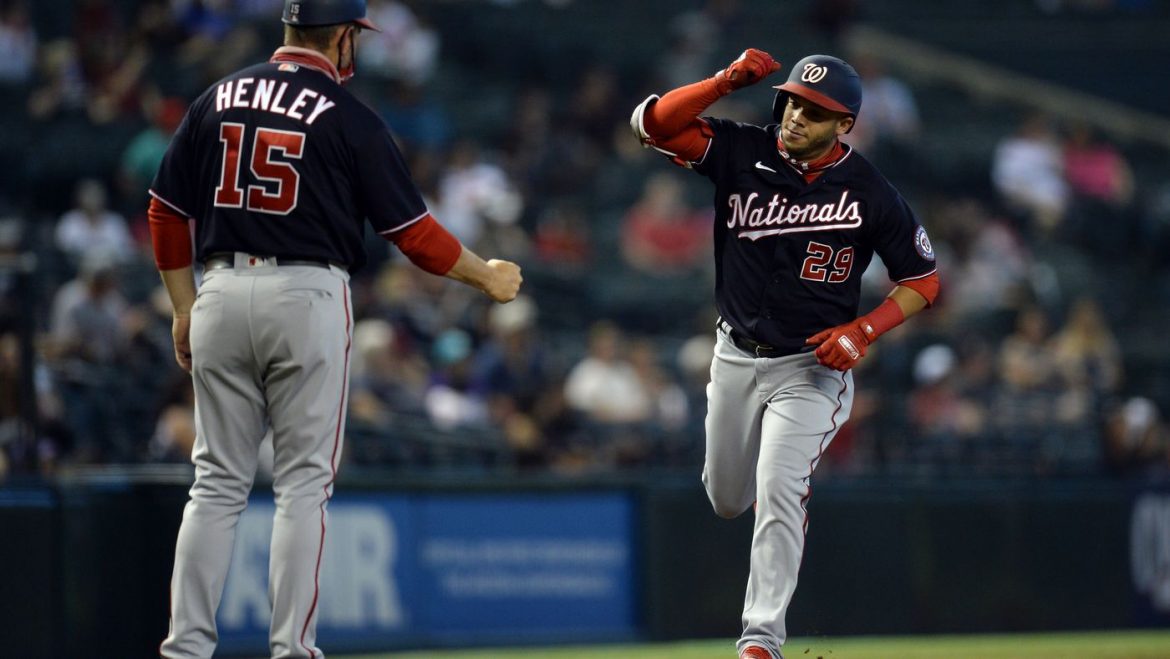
<point>242,94</point>
<point>777,217</point>
<point>263,96</point>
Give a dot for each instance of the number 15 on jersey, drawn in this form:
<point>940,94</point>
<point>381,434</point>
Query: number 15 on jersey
<point>273,183</point>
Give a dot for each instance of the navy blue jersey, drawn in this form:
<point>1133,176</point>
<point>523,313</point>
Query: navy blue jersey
<point>789,255</point>
<point>279,160</point>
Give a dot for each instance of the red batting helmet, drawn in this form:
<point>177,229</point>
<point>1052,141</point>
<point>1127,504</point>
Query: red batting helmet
<point>823,79</point>
<point>310,13</point>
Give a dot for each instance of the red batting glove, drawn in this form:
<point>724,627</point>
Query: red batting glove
<point>752,66</point>
<point>841,347</point>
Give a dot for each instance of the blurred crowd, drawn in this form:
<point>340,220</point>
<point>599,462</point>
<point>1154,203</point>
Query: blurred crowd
<point>1024,367</point>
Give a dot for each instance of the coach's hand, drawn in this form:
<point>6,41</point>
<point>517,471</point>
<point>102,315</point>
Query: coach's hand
<point>181,333</point>
<point>841,347</point>
<point>505,281</point>
<point>751,67</point>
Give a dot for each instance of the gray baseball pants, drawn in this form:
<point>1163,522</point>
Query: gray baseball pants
<point>270,348</point>
<point>768,423</point>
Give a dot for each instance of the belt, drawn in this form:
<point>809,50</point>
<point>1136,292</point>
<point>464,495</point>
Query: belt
<point>747,344</point>
<point>228,260</point>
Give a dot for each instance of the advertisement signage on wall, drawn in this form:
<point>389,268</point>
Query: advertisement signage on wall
<point>443,569</point>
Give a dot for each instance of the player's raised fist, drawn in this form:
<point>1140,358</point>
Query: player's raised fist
<point>505,281</point>
<point>751,67</point>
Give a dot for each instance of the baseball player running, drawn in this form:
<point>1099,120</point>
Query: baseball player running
<point>798,217</point>
<point>279,166</point>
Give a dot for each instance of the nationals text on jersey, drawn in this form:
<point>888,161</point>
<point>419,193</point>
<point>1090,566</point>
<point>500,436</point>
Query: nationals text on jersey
<point>841,214</point>
<point>267,96</point>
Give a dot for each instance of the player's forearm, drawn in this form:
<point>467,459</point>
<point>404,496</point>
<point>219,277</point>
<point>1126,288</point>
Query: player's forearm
<point>470,269</point>
<point>180,285</point>
<point>908,300</point>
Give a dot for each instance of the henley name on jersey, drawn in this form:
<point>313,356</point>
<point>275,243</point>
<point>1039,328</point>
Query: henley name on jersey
<point>268,95</point>
<point>840,214</point>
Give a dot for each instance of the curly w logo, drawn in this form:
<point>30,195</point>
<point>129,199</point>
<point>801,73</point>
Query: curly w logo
<point>814,73</point>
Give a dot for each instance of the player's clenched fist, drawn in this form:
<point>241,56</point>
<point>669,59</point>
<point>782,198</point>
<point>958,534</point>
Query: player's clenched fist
<point>505,281</point>
<point>751,67</point>
<point>841,347</point>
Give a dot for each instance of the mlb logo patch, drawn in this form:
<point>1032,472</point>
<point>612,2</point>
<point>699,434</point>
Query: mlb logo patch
<point>291,68</point>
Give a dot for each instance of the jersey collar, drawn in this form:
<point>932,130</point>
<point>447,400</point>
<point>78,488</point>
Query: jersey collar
<point>306,57</point>
<point>835,155</point>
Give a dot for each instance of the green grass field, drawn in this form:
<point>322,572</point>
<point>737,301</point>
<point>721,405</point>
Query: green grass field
<point>1104,645</point>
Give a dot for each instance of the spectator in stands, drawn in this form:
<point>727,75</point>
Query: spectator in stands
<point>142,155</point>
<point>693,363</point>
<point>1027,171</point>
<point>88,339</point>
<point>668,401</point>
<point>991,265</point>
<point>661,236</point>
<point>1026,360</point>
<point>511,368</point>
<point>603,386</point>
<point>451,400</point>
<point>1136,437</point>
<point>511,361</point>
<point>1085,350</point>
<point>1095,168</point>
<point>216,42</point>
<point>406,50</point>
<point>13,299</point>
<point>388,378</point>
<point>563,238</point>
<point>62,88</point>
<point>888,131</point>
<point>833,17</point>
<point>92,228</point>
<point>174,432</point>
<point>11,421</point>
<point>113,60</point>
<point>476,197</point>
<point>1025,402</point>
<point>418,120</point>
<point>594,107</point>
<point>18,43</point>
<point>1102,187</point>
<point>42,452</point>
<point>945,419</point>
<point>689,55</point>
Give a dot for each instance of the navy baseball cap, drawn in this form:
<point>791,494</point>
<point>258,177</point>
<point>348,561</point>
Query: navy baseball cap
<point>825,80</point>
<point>312,13</point>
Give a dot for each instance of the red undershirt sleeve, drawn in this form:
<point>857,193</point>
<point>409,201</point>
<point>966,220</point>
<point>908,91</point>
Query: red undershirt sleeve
<point>927,287</point>
<point>678,108</point>
<point>428,245</point>
<point>169,235</point>
<point>672,122</point>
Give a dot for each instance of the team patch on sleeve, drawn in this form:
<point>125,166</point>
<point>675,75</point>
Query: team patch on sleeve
<point>922,244</point>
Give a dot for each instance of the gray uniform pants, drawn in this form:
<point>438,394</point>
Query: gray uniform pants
<point>768,423</point>
<point>270,349</point>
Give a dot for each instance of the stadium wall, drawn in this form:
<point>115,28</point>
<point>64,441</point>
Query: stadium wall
<point>516,561</point>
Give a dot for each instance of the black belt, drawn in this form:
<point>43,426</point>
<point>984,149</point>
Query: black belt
<point>743,342</point>
<point>228,260</point>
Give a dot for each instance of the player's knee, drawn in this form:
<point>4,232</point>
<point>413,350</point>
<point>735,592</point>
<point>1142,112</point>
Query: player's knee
<point>726,506</point>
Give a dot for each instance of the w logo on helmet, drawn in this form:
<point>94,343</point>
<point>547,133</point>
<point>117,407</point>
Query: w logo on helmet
<point>814,73</point>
